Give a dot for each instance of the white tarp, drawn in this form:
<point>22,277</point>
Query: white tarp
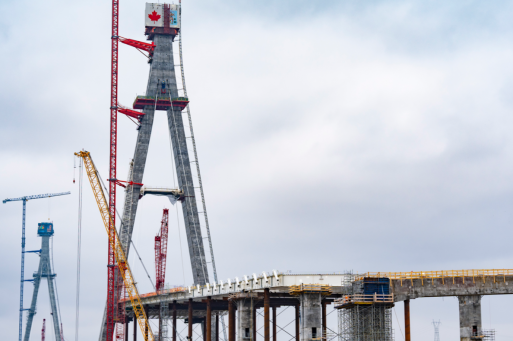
<point>154,15</point>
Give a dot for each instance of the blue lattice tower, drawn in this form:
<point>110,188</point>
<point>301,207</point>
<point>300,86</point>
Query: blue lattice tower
<point>45,231</point>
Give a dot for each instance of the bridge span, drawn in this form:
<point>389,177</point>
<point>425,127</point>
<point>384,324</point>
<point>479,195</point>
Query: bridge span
<point>309,294</point>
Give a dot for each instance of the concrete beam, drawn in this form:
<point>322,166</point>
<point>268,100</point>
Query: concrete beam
<point>417,288</point>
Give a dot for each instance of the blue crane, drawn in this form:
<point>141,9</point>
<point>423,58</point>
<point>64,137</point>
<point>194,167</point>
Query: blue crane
<point>25,199</point>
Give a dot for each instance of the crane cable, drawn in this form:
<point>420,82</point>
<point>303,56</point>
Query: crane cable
<point>79,246</point>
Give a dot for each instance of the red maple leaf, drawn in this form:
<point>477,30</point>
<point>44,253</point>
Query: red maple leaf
<point>154,16</point>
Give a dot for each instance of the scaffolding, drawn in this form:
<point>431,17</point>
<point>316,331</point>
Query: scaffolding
<point>488,335</point>
<point>365,322</point>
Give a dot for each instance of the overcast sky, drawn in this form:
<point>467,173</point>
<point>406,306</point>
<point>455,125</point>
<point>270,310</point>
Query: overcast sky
<point>332,136</point>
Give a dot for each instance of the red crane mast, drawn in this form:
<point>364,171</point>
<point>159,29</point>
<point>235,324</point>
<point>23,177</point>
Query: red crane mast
<point>111,285</point>
<point>161,252</point>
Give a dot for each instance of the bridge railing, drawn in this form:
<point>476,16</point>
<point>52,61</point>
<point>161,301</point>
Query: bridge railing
<point>479,274</point>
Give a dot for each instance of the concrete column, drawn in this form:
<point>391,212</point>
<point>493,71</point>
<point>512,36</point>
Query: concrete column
<point>231,321</point>
<point>245,324</point>
<point>267,302</point>
<point>297,323</point>
<point>407,335</point>
<point>310,316</point>
<point>189,335</point>
<point>274,323</point>
<point>208,320</point>
<point>470,317</point>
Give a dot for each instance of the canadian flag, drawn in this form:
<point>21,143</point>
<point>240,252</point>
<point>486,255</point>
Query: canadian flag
<point>154,15</point>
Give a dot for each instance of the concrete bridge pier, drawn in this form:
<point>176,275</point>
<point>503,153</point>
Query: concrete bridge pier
<point>311,324</point>
<point>470,317</point>
<point>245,319</point>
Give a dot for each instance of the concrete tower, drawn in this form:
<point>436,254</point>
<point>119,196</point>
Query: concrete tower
<point>162,25</point>
<point>45,231</point>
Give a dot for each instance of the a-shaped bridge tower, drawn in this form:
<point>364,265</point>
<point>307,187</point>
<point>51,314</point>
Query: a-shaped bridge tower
<point>45,231</point>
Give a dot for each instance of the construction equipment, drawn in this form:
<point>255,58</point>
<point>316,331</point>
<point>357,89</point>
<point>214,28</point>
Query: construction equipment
<point>161,252</point>
<point>25,199</point>
<point>160,270</point>
<point>117,247</point>
<point>43,331</point>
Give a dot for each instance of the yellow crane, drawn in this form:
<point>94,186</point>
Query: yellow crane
<point>124,268</point>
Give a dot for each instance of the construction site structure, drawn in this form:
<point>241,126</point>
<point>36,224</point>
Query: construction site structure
<point>125,274</point>
<point>45,231</point>
<point>364,313</point>
<point>162,26</point>
<point>22,281</point>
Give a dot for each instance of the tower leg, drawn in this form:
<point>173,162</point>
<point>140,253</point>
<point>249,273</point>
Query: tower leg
<point>470,317</point>
<point>32,311</point>
<point>297,323</point>
<point>51,287</point>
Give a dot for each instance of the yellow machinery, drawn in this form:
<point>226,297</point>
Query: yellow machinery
<point>115,243</point>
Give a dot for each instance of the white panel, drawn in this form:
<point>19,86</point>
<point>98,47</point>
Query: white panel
<point>173,16</point>
<point>154,15</point>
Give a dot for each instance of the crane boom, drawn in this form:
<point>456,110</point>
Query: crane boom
<point>39,196</point>
<point>116,246</point>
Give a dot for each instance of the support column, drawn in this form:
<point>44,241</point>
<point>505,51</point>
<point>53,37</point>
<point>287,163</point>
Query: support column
<point>274,323</point>
<point>135,328</point>
<point>254,323</point>
<point>231,321</point>
<point>310,316</point>
<point>208,320</point>
<point>217,327</point>
<point>407,335</point>
<point>470,317</point>
<point>174,320</point>
<point>126,328</point>
<point>323,317</point>
<point>189,335</point>
<point>267,334</point>
<point>297,323</point>
<point>245,321</point>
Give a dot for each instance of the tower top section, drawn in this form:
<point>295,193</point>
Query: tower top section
<point>161,19</point>
<point>45,229</point>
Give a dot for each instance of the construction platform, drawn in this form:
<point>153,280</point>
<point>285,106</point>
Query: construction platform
<point>162,103</point>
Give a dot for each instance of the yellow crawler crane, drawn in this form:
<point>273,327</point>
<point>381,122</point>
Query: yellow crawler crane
<point>115,243</point>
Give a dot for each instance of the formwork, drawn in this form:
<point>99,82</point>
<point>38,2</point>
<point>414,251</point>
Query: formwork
<point>365,314</point>
<point>370,322</point>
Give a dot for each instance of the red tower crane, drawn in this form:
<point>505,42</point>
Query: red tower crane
<point>43,331</point>
<point>161,251</point>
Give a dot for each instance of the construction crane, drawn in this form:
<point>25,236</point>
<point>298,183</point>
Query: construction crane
<point>43,331</point>
<point>117,247</point>
<point>161,252</point>
<point>25,199</point>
